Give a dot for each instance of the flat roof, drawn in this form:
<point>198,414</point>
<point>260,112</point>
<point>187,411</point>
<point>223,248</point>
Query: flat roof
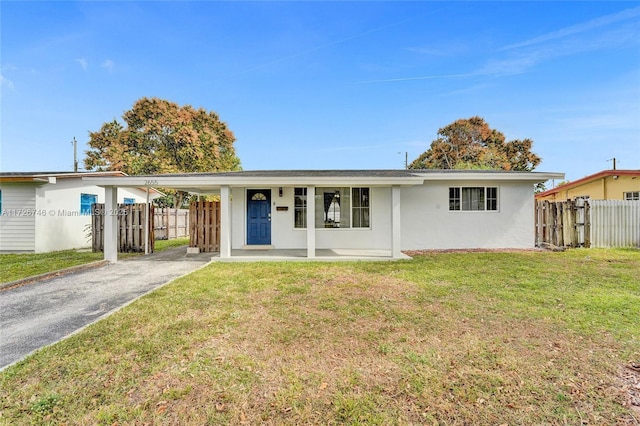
<point>204,182</point>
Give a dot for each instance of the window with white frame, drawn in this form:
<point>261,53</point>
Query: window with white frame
<point>632,196</point>
<point>335,207</point>
<point>473,198</point>
<point>360,209</point>
<point>300,207</point>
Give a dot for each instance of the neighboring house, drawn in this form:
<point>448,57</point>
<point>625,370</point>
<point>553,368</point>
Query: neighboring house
<point>48,211</point>
<point>387,210</point>
<point>604,185</point>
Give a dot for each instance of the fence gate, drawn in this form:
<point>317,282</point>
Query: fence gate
<point>170,223</point>
<point>563,224</point>
<point>131,219</point>
<point>204,225</point>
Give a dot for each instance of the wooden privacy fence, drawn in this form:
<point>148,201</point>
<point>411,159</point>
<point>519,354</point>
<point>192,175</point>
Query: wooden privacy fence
<point>131,219</point>
<point>562,224</point>
<point>588,223</point>
<point>170,223</point>
<point>204,225</point>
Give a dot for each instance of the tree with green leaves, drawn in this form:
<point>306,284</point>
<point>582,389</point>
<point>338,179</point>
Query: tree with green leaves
<point>159,137</point>
<point>472,144</point>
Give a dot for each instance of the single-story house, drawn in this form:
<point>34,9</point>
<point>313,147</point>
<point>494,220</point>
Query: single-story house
<point>384,210</point>
<point>604,185</point>
<point>49,211</point>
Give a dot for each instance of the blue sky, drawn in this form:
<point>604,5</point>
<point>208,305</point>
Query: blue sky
<point>328,85</point>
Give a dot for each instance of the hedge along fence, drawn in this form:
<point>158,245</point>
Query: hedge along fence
<point>131,233</point>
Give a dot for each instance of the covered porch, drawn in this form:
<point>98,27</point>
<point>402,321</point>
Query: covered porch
<point>227,186</point>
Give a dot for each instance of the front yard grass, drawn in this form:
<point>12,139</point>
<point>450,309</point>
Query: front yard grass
<point>474,338</point>
<point>24,265</point>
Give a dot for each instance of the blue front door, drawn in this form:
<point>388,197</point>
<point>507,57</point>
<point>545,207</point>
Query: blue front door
<point>259,216</point>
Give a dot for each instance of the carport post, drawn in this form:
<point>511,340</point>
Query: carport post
<point>225,222</point>
<point>111,224</point>
<point>396,230</point>
<point>146,225</point>
<point>311,221</point>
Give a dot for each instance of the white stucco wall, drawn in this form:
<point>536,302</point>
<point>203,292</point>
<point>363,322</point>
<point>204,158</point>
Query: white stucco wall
<point>62,227</point>
<point>17,221</point>
<point>285,236</point>
<point>427,222</point>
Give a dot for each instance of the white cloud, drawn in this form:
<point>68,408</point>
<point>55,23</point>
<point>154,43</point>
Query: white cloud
<point>5,82</point>
<point>579,28</point>
<point>605,32</point>
<point>83,63</point>
<point>109,65</point>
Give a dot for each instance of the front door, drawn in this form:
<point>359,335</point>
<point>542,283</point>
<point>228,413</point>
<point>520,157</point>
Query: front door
<point>258,216</point>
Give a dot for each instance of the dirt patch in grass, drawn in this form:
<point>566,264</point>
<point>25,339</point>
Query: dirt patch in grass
<point>629,380</point>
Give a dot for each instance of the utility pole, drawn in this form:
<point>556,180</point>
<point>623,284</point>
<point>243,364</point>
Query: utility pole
<point>406,159</point>
<point>75,154</point>
<point>614,162</point>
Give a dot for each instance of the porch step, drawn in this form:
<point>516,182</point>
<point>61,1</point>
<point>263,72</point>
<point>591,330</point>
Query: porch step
<point>258,247</point>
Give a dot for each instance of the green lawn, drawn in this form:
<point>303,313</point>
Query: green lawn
<point>457,338</point>
<point>17,266</point>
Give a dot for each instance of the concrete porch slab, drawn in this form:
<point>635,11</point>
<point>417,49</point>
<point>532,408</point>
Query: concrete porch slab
<point>333,255</point>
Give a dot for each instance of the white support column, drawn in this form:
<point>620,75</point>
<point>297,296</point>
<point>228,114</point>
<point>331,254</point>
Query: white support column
<point>311,221</point>
<point>396,229</point>
<point>147,220</point>
<point>111,224</point>
<point>225,222</point>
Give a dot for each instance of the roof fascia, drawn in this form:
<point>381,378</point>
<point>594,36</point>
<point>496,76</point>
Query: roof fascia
<point>533,177</point>
<point>212,182</point>
<point>25,179</point>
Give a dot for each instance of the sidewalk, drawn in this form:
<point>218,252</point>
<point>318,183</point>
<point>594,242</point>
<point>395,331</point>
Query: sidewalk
<point>41,313</point>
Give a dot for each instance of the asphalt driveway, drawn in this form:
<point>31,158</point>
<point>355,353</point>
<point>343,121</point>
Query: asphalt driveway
<point>41,313</point>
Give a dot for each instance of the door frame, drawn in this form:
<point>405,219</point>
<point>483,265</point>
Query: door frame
<point>249,195</point>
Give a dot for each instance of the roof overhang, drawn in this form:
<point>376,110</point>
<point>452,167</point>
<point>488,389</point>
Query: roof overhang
<point>40,178</point>
<point>205,183</point>
<point>209,184</point>
<point>26,179</point>
<point>533,177</point>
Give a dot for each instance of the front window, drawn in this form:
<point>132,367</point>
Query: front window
<point>300,207</point>
<point>335,207</point>
<point>632,196</point>
<point>473,198</point>
<point>360,199</point>
<point>86,200</point>
<point>332,209</point>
